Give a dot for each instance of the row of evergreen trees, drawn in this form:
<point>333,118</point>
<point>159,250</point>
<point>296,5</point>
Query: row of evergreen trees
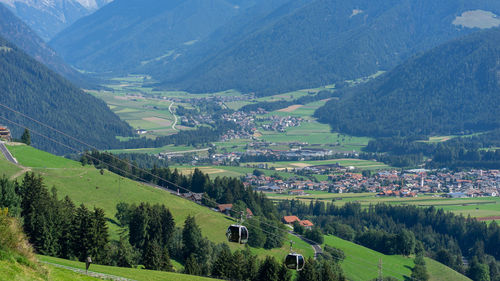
<point>222,190</point>
<point>405,230</point>
<point>56,227</point>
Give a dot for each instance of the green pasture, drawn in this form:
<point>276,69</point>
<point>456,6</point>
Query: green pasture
<point>357,163</point>
<point>10,270</point>
<point>165,149</point>
<point>85,184</point>
<point>361,263</point>
<point>314,132</point>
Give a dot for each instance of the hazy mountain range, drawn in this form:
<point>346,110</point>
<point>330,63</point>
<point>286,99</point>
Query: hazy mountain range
<point>264,46</point>
<point>48,17</point>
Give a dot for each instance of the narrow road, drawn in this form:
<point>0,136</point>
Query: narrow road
<point>90,273</point>
<point>7,154</point>
<point>317,248</point>
<point>175,117</point>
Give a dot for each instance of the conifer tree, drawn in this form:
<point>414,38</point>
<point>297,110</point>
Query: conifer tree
<point>191,266</point>
<point>26,137</point>
<point>191,237</point>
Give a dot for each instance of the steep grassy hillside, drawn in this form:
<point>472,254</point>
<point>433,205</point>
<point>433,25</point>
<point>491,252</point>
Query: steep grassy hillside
<point>31,88</point>
<point>87,185</point>
<point>452,89</point>
<point>361,263</point>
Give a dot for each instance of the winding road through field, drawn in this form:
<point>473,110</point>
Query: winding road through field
<point>175,117</point>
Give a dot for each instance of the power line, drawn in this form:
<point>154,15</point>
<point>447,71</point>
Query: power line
<point>143,170</point>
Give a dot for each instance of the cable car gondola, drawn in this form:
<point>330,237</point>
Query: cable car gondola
<point>237,233</point>
<point>294,261</point>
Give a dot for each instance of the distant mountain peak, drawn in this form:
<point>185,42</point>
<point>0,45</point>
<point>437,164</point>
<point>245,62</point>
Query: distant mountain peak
<point>48,17</point>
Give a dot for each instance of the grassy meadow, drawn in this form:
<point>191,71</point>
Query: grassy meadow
<point>361,263</point>
<point>85,184</point>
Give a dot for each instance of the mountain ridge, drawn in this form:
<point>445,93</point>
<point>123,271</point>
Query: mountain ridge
<point>451,89</point>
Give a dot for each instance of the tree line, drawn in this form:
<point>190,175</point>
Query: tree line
<point>149,238</point>
<point>457,153</point>
<point>56,227</point>
<point>406,230</point>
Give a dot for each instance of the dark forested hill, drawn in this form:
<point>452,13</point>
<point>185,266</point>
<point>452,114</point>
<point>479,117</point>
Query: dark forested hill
<point>126,34</point>
<point>452,89</point>
<point>31,88</point>
<point>17,32</point>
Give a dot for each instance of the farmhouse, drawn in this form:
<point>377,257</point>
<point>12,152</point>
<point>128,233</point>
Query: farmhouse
<point>307,224</point>
<point>4,133</point>
<point>290,219</point>
<point>226,209</point>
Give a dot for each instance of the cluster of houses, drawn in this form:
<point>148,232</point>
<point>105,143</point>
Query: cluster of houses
<point>280,123</point>
<point>472,183</point>
<point>291,154</point>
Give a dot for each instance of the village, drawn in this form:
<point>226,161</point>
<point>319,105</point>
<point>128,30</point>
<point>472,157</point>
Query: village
<point>411,183</point>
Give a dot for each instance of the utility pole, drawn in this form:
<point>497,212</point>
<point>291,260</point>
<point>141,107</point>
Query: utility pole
<point>380,274</point>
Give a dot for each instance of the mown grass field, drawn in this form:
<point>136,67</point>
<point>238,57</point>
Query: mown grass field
<point>356,163</point>
<point>14,271</point>
<point>361,263</point>
<point>131,273</point>
<point>86,185</point>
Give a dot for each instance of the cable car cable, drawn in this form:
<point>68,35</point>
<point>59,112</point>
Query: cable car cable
<point>137,177</point>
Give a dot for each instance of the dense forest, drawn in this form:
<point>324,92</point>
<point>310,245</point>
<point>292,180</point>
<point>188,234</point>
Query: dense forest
<point>405,230</point>
<point>474,151</point>
<point>17,32</point>
<point>452,89</point>
<point>31,88</point>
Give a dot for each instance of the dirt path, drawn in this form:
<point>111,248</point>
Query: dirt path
<point>18,174</point>
<point>90,273</point>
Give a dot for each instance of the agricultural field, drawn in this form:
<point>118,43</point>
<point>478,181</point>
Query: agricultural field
<point>361,263</point>
<point>484,207</point>
<point>85,184</point>
<point>356,163</point>
<point>163,149</point>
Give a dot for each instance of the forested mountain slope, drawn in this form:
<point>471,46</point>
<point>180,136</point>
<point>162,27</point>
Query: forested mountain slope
<point>127,33</point>
<point>20,34</point>
<point>452,89</point>
<point>328,41</point>
<point>33,89</point>
<point>48,17</point>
